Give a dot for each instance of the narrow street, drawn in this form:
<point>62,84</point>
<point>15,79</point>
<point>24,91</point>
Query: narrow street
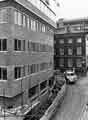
<point>76,98</point>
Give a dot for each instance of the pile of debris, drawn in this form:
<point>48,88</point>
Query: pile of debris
<point>41,109</point>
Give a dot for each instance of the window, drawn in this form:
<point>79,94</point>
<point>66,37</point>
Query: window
<point>76,27</point>
<point>16,17</point>
<point>17,72</point>
<point>19,18</point>
<point>37,67</point>
<point>28,69</point>
<point>3,44</point>
<point>37,47</point>
<point>30,46</point>
<point>32,91</point>
<point>61,62</point>
<point>69,40</point>
<point>70,51</point>
<point>4,15</point>
<point>79,50</point>
<point>61,51</point>
<point>43,28</point>
<point>28,22</point>
<point>40,27</point>
<point>33,25</point>
<point>78,63</point>
<point>17,45</point>
<point>24,45</point>
<point>24,20</point>
<point>61,41</point>
<point>43,85</point>
<point>3,73</point>
<point>34,46</point>
<point>43,66</point>
<point>51,81</point>
<point>31,43</point>
<point>37,26</point>
<point>70,63</point>
<point>33,69</point>
<point>79,40</point>
<point>24,72</point>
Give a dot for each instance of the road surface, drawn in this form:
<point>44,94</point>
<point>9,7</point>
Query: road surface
<point>74,102</point>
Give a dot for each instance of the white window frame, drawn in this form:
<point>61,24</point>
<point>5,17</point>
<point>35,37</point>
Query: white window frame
<point>28,22</point>
<point>15,16</point>
<point>17,49</point>
<point>24,20</point>
<point>19,18</point>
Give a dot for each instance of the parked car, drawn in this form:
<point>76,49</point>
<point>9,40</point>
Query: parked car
<point>70,76</point>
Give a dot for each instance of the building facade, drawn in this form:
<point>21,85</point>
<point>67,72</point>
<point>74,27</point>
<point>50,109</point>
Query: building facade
<point>71,45</point>
<point>26,52</point>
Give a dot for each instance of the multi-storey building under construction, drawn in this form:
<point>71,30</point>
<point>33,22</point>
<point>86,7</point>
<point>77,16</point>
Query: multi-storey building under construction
<point>26,52</point>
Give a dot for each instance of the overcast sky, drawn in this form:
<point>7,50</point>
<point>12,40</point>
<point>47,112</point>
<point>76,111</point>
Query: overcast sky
<point>70,9</point>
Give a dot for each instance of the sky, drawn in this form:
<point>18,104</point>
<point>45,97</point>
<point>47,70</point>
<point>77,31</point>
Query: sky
<point>71,9</point>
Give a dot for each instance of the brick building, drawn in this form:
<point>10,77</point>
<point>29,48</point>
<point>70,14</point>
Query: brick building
<point>71,45</point>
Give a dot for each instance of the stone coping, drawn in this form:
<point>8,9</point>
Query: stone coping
<point>51,110</point>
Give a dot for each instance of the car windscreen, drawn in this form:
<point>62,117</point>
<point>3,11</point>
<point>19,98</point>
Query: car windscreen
<point>70,74</point>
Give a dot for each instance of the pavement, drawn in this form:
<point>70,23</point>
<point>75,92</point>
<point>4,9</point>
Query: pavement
<point>84,83</point>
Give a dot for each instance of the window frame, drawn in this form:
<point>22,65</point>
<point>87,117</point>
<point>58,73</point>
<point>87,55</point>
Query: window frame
<point>3,45</point>
<point>17,72</point>
<point>31,93</point>
<point>2,74</point>
<point>79,50</point>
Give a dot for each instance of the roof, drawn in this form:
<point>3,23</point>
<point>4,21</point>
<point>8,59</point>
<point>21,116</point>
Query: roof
<point>36,11</point>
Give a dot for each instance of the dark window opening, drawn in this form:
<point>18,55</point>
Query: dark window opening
<point>33,91</point>
<point>43,85</point>
<point>4,44</point>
